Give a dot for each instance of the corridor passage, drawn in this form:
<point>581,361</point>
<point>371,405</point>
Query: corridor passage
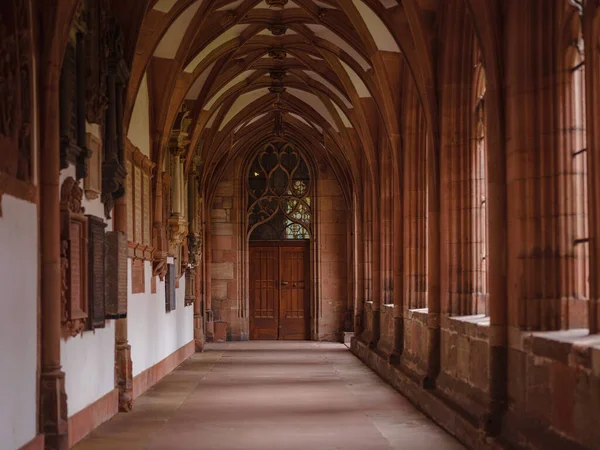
<point>271,395</point>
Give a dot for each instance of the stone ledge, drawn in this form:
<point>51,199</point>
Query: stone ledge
<point>475,326</point>
<point>575,348</point>
<point>418,314</point>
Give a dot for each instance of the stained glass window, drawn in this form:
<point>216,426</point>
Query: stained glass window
<point>279,190</point>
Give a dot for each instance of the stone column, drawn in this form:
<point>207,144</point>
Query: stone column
<point>53,398</point>
<point>433,262</point>
<point>177,182</point>
<point>497,241</point>
<point>122,347</point>
<point>398,255</point>
<point>533,174</point>
<point>591,36</point>
<point>358,272</point>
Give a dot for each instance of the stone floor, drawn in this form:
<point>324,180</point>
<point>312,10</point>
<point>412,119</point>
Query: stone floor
<point>271,395</point>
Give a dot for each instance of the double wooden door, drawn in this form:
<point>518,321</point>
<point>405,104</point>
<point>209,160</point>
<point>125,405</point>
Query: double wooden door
<point>279,291</point>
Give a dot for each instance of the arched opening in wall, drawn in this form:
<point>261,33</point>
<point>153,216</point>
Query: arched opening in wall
<point>575,186</point>
<point>479,224</point>
<point>279,228</point>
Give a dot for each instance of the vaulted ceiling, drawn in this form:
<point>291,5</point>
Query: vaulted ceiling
<point>324,73</point>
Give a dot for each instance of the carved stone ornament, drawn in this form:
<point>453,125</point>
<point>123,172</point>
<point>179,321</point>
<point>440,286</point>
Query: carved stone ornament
<point>93,182</point>
<point>190,286</point>
<point>194,241</point>
<point>277,3</point>
<point>278,54</point>
<point>15,98</point>
<point>277,29</point>
<point>113,170</point>
<point>74,251</point>
<point>96,50</point>
<point>159,265</point>
<point>177,233</point>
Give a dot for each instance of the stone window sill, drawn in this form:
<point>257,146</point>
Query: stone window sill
<point>418,314</point>
<point>575,348</point>
<point>474,326</point>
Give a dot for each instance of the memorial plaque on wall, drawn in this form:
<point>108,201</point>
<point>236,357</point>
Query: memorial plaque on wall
<point>147,232</point>
<point>170,294</point>
<point>77,266</point>
<point>116,274</point>
<point>137,195</point>
<point>129,199</point>
<point>96,279</point>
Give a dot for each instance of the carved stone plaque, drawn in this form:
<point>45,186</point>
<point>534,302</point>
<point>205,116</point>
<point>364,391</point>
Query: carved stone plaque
<point>129,199</point>
<point>116,274</point>
<point>170,294</point>
<point>92,184</point>
<point>96,283</point>
<point>137,195</point>
<point>146,220</point>
<point>190,286</point>
<point>74,259</point>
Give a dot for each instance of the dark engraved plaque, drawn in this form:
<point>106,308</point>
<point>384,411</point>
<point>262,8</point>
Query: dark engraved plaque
<point>170,294</point>
<point>190,286</point>
<point>96,279</point>
<point>116,274</point>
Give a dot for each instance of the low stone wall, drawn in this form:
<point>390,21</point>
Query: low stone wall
<point>553,382</point>
<point>554,390</point>
<point>414,355</point>
<point>464,376</point>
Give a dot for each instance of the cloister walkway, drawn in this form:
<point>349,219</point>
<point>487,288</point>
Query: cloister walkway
<point>271,395</point>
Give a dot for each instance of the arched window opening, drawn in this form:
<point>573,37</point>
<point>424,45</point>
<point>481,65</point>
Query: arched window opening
<point>279,195</point>
<point>577,184</point>
<point>479,191</point>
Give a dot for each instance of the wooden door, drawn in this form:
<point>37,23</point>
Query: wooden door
<point>293,308</point>
<point>279,291</point>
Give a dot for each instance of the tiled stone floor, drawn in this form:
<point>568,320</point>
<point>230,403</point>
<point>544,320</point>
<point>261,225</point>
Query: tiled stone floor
<point>271,395</point>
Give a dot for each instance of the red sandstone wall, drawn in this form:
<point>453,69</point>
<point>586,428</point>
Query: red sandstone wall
<point>332,244</point>
<point>554,389</point>
<point>386,338</point>
<point>227,255</point>
<point>415,340</point>
<point>465,362</point>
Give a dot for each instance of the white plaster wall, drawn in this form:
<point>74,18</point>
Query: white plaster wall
<point>88,360</point>
<point>153,333</point>
<point>139,126</point>
<point>18,324</point>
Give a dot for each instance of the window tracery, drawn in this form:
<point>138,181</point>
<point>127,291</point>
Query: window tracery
<point>279,195</point>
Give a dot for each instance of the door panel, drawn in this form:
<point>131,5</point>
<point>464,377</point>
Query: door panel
<point>293,305</point>
<point>264,292</point>
<point>278,291</point>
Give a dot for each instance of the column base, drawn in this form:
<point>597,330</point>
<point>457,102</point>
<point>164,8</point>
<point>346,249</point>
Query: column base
<point>376,324</point>
<point>494,419</point>
<point>199,339</point>
<point>53,408</point>
<point>124,377</point>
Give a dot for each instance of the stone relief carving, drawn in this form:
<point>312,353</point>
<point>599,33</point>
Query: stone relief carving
<point>74,251</point>
<point>113,170</point>
<point>96,46</point>
<point>15,99</point>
